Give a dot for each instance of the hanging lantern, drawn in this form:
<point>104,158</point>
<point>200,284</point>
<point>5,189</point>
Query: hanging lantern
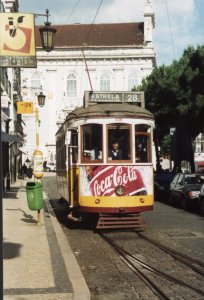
<point>41,99</point>
<point>47,34</point>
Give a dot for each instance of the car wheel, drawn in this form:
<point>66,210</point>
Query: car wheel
<point>183,203</point>
<point>48,170</point>
<point>202,207</point>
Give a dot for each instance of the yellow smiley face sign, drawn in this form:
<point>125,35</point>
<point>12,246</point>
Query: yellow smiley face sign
<point>17,40</point>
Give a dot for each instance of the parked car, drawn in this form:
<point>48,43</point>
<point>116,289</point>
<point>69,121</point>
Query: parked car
<point>50,167</point>
<point>201,203</point>
<point>162,182</point>
<point>185,189</point>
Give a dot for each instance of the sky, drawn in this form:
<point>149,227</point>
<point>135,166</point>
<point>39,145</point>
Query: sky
<point>178,24</point>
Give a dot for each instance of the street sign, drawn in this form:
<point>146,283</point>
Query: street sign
<point>25,107</point>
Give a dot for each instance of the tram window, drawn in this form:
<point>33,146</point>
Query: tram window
<point>142,143</point>
<point>118,142</point>
<point>91,143</point>
<point>74,143</point>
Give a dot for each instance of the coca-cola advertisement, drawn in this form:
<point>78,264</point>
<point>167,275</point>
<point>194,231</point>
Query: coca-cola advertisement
<point>103,180</point>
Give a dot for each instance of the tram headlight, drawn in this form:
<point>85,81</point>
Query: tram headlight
<point>120,190</point>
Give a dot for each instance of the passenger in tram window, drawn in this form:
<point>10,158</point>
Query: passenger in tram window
<point>141,149</point>
<point>115,153</point>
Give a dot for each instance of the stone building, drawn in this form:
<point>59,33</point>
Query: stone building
<point>99,57</point>
<point>11,123</point>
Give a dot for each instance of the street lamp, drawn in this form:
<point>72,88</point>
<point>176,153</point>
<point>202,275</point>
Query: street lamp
<point>41,99</point>
<point>47,34</point>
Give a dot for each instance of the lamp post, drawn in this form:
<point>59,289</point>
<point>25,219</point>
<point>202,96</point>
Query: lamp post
<point>47,38</point>
<point>38,155</point>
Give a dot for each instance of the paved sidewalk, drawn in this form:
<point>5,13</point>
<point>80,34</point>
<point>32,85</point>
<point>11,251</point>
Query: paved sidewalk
<point>38,261</point>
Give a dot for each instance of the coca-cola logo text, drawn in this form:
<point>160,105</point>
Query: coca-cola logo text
<point>106,179</point>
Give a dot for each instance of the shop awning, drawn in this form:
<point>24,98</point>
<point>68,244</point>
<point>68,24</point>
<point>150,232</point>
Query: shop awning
<point>6,137</point>
<point>24,151</point>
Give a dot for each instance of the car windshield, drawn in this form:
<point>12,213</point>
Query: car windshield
<point>196,179</point>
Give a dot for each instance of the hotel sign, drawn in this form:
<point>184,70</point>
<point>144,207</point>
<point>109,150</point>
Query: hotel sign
<point>17,40</point>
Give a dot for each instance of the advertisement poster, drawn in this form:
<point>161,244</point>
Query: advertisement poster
<point>38,165</point>
<point>17,40</point>
<point>102,180</point>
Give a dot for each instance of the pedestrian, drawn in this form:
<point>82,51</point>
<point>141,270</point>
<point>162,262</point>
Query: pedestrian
<point>29,172</point>
<point>24,171</point>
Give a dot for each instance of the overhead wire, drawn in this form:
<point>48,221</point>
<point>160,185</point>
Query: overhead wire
<point>85,41</point>
<point>91,26</point>
<point>73,9</point>
<point>86,38</point>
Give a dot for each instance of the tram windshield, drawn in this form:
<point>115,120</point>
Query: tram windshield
<point>118,142</point>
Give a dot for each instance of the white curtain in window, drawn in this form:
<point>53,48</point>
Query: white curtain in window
<point>35,84</point>
<point>105,82</point>
<point>71,85</point>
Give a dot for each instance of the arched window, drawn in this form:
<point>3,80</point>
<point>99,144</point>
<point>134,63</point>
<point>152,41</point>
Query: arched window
<point>71,85</point>
<point>105,82</point>
<point>132,81</point>
<point>35,84</point>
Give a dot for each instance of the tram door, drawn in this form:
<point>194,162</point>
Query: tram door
<point>73,170</point>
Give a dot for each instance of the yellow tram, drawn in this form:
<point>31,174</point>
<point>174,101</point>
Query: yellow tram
<point>104,158</point>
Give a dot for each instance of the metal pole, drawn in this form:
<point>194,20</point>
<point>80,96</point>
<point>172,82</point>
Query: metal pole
<point>1,204</point>
<point>37,127</point>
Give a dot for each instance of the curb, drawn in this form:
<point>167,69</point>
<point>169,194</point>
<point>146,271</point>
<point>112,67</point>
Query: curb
<point>80,288</point>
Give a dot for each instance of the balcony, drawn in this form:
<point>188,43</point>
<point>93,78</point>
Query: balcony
<point>6,110</point>
<point>5,83</point>
<point>2,7</point>
<point>18,127</point>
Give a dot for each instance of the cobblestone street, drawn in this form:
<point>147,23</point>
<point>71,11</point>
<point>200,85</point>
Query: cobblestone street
<point>108,276</point>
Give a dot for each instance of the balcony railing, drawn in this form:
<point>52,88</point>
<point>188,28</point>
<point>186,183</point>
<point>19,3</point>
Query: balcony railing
<point>6,110</point>
<point>2,7</point>
<point>5,81</point>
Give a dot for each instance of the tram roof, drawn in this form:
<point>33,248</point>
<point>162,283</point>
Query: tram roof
<point>110,110</point>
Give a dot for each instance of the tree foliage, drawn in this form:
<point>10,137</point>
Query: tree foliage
<point>175,95</point>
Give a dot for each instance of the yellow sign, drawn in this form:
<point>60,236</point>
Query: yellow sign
<point>25,107</point>
<point>17,40</point>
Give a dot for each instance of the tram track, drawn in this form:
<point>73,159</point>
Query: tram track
<point>143,270</point>
<point>191,262</point>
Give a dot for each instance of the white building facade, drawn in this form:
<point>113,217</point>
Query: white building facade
<point>99,57</point>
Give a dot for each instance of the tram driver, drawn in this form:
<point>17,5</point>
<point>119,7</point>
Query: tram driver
<point>115,153</point>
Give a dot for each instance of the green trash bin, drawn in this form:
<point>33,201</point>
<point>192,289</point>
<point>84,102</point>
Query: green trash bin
<point>34,195</point>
